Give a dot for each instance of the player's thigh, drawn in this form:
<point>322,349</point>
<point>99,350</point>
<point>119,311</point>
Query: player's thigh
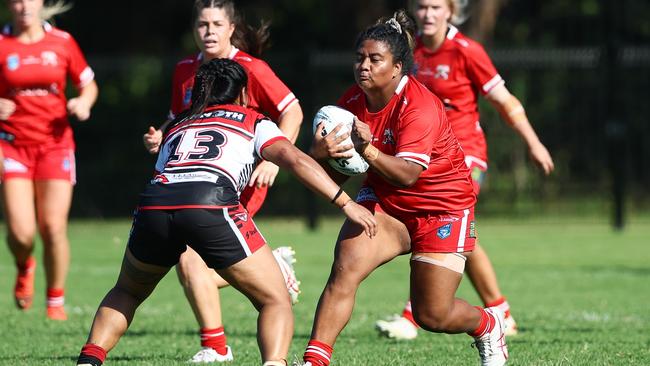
<point>18,204</point>
<point>356,255</point>
<point>435,279</point>
<point>259,278</point>
<point>139,278</point>
<point>53,199</point>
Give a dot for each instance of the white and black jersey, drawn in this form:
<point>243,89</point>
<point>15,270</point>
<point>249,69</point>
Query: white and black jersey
<point>206,160</point>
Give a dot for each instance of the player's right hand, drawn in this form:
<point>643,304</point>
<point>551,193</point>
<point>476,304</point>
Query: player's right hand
<point>361,216</point>
<point>7,108</point>
<point>330,145</point>
<point>152,140</point>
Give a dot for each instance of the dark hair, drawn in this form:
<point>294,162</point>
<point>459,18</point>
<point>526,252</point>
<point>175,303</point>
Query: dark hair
<point>245,37</point>
<point>396,32</point>
<point>218,81</point>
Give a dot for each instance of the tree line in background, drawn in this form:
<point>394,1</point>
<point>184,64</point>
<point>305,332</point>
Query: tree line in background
<point>551,53</point>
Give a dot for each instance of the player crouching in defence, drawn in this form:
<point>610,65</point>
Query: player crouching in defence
<point>205,161</point>
<point>419,189</point>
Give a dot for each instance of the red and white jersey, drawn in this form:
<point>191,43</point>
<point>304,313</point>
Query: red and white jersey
<point>413,126</point>
<point>34,77</point>
<point>207,159</point>
<point>266,92</point>
<point>457,72</point>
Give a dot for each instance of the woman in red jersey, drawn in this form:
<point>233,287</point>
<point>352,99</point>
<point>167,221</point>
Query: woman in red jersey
<point>194,198</point>
<point>220,33</point>
<point>457,70</point>
<point>419,189</point>
<point>37,143</point>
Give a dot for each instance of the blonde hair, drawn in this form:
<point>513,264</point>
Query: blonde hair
<point>457,8</point>
<point>54,8</point>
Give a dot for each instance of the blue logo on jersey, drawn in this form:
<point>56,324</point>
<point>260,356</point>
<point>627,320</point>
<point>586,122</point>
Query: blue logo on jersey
<point>187,97</point>
<point>13,62</point>
<point>66,165</point>
<point>444,231</point>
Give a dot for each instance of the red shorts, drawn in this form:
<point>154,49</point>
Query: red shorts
<point>252,198</point>
<point>49,161</point>
<point>477,171</point>
<point>437,232</point>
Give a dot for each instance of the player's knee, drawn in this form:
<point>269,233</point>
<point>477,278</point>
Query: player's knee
<point>190,271</point>
<point>52,229</point>
<point>433,319</point>
<point>21,236</point>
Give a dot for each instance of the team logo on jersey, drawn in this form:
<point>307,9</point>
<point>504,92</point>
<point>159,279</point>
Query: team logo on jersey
<point>13,62</point>
<point>444,231</point>
<point>389,138</point>
<point>49,58</point>
<point>367,194</point>
<point>442,72</point>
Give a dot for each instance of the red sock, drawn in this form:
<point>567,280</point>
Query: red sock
<point>55,297</point>
<point>485,326</point>
<point>28,266</point>
<point>502,304</point>
<point>215,339</point>
<point>408,313</point>
<point>91,353</point>
<point>318,353</point>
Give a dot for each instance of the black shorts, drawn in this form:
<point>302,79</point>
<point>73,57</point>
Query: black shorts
<point>221,236</point>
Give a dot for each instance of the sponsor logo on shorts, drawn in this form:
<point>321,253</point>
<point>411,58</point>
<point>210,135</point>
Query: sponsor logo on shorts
<point>66,165</point>
<point>187,98</point>
<point>472,229</point>
<point>367,194</point>
<point>444,231</point>
<point>242,216</point>
<point>250,233</point>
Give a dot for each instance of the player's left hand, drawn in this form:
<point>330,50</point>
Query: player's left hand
<point>264,174</point>
<point>542,158</point>
<point>79,109</point>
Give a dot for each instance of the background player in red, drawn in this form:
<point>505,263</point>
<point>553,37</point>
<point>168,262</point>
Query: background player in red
<point>202,166</point>
<point>419,189</point>
<point>37,143</point>
<point>220,33</point>
<point>457,69</point>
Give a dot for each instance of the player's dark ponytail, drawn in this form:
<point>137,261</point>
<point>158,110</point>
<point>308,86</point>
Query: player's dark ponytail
<point>398,33</point>
<point>218,81</point>
<point>245,37</point>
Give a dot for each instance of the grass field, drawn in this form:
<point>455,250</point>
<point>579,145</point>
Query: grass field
<point>579,291</point>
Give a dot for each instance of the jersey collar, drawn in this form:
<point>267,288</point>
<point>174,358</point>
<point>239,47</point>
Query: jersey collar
<point>231,55</point>
<point>7,29</point>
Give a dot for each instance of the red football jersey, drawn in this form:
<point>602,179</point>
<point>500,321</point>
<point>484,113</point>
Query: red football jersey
<point>34,77</point>
<point>413,126</point>
<point>267,94</point>
<point>456,72</point>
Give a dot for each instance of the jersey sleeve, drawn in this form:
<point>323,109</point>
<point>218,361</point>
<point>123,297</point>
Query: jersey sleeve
<point>418,130</point>
<point>176,102</point>
<point>271,93</point>
<point>480,68</point>
<point>78,69</point>
<point>266,134</point>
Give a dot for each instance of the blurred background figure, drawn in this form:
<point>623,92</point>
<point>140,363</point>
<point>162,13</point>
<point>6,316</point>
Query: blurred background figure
<point>37,142</point>
<point>219,32</point>
<point>457,69</point>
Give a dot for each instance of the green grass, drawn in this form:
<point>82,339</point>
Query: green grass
<point>579,291</point>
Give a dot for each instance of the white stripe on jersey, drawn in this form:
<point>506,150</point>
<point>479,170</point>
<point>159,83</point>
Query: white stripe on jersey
<point>236,231</point>
<point>463,228</point>
<point>496,80</point>
<point>285,102</point>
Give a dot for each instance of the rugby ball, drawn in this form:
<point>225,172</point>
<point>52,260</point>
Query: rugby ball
<point>331,116</point>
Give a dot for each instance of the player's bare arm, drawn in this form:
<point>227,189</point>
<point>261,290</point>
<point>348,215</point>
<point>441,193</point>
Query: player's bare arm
<point>7,108</point>
<point>396,171</point>
<point>311,174</point>
<point>514,114</point>
<point>80,106</point>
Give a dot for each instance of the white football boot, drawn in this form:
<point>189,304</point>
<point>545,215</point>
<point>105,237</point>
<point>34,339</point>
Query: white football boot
<point>511,326</point>
<point>208,355</point>
<point>492,346</point>
<point>285,258</point>
<point>397,327</point>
